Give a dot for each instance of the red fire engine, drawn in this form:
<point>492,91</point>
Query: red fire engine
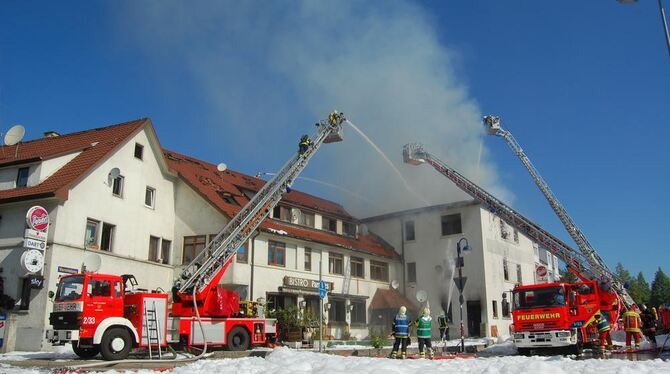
<point>108,314</point>
<point>553,314</point>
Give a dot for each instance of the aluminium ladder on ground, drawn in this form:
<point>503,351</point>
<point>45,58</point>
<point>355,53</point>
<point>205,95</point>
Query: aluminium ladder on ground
<point>152,329</point>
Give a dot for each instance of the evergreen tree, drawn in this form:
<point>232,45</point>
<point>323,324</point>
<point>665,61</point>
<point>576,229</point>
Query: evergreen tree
<point>660,289</point>
<point>622,274</point>
<point>639,290</point>
<point>567,276</point>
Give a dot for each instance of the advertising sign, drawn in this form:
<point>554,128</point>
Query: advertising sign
<point>540,273</point>
<point>3,322</point>
<point>37,218</point>
<point>34,244</point>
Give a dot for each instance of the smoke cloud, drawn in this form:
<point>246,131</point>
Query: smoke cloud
<point>267,69</point>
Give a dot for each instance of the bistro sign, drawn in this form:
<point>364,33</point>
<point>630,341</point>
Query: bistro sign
<point>305,283</point>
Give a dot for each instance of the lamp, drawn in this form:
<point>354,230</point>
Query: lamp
<point>302,304</point>
<point>326,306</point>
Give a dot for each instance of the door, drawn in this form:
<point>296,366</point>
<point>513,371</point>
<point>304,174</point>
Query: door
<point>474,310</point>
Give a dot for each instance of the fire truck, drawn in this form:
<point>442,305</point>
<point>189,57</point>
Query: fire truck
<point>552,314</point>
<point>108,314</point>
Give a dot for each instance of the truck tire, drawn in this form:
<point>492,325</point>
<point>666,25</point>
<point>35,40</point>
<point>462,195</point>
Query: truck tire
<point>238,339</point>
<point>116,344</point>
<point>84,353</point>
<point>523,351</point>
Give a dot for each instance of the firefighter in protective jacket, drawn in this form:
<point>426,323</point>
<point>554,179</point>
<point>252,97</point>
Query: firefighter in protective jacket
<point>603,332</point>
<point>303,145</point>
<point>423,333</point>
<point>631,323</point>
<point>401,332</point>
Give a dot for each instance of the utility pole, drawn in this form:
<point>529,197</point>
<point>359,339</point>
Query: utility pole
<point>461,284</point>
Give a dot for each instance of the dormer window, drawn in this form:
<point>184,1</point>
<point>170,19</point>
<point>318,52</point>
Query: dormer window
<point>139,151</point>
<point>349,229</point>
<point>22,177</point>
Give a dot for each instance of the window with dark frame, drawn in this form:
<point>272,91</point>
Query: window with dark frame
<point>495,308</point>
<point>358,312</point>
<point>193,245</point>
<point>505,269</point>
<point>336,313</point>
<point>166,246</point>
<point>22,177</point>
<point>518,273</point>
<point>117,186</point>
<point>357,267</point>
<point>139,150</point>
<point>281,212</point>
<point>91,234</point>
<point>307,219</point>
<point>505,309</point>
<point>349,229</point>
<point>411,272</point>
<point>335,263</point>
<point>243,255</point>
<point>107,237</point>
<point>150,197</point>
<point>276,253</point>
<point>328,224</point>
<point>409,231</point>
<point>308,259</point>
<point>379,271</point>
<point>154,243</point>
<point>451,224</point>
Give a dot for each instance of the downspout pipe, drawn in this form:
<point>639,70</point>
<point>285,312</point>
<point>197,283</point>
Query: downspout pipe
<point>253,256</point>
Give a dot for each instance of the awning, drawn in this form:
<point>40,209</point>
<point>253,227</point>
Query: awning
<point>390,299</point>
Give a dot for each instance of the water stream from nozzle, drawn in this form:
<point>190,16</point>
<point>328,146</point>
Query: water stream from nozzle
<point>388,161</point>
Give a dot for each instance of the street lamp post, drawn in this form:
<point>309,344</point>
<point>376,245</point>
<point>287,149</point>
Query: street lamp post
<point>461,284</point>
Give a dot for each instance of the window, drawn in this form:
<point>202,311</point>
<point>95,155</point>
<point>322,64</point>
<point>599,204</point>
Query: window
<point>117,186</point>
<point>308,259</point>
<point>307,219</point>
<point>505,308</point>
<point>117,289</point>
<point>495,309</point>
<point>193,245</point>
<point>154,243</point>
<point>107,239</point>
<point>329,224</point>
<point>150,197</point>
<point>505,270</point>
<point>282,213</point>
<point>379,271</point>
<point>516,236</point>
<point>243,255</point>
<point>357,269</point>
<point>504,230</point>
<point>227,197</point>
<point>411,272</point>
<point>518,273</point>
<point>91,236</point>
<point>22,177</point>
<point>409,230</point>
<point>276,253</point>
<point>336,312</point>
<point>358,312</point>
<point>349,229</point>
<point>335,263</point>
<point>451,224</point>
<point>139,150</point>
<point>166,246</point>
<point>99,288</point>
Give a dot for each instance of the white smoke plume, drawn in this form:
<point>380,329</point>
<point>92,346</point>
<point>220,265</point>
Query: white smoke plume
<point>269,68</point>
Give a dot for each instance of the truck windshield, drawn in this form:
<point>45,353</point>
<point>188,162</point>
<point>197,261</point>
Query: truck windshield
<point>70,288</point>
<point>539,297</point>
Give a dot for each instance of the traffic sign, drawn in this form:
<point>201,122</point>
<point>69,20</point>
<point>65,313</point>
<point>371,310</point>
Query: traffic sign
<point>322,289</point>
<point>460,283</point>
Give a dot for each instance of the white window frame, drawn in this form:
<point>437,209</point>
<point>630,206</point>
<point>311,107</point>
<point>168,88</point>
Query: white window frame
<point>153,197</point>
<point>121,180</point>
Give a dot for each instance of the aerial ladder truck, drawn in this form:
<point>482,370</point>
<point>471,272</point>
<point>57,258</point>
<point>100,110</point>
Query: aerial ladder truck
<point>107,314</point>
<point>549,315</point>
<point>493,126</point>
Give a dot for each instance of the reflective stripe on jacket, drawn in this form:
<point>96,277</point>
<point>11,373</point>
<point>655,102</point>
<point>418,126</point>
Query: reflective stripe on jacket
<point>603,325</point>
<point>631,321</point>
<point>423,326</point>
<point>401,326</point>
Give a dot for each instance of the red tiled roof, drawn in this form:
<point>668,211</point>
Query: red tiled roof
<point>217,186</point>
<point>94,146</point>
<point>390,299</point>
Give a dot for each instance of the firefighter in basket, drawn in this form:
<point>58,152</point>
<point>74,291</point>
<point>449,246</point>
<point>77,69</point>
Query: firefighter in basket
<point>401,333</point>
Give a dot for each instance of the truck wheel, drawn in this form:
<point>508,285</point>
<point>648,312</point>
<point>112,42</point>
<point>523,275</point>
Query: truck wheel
<point>116,344</point>
<point>85,353</point>
<point>238,339</point>
<point>523,351</point>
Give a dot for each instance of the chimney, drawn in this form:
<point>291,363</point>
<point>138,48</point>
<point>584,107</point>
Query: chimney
<point>51,134</point>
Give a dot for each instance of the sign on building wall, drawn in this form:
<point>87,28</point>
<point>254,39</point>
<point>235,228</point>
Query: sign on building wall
<point>37,218</point>
<point>540,273</point>
<point>3,322</point>
<point>305,283</point>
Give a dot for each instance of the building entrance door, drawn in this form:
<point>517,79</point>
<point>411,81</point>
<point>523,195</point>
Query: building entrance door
<point>474,318</point>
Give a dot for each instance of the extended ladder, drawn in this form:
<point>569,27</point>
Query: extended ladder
<point>152,329</point>
<point>207,264</point>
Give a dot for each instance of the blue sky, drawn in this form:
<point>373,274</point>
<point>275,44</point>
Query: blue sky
<point>584,87</point>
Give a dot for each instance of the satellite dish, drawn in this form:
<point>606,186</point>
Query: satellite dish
<point>114,173</point>
<point>92,262</point>
<point>221,167</point>
<point>421,296</point>
<point>15,135</point>
<point>395,284</point>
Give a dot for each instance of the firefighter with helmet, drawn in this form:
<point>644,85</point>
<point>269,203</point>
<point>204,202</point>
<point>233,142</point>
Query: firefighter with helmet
<point>401,333</point>
<point>303,145</point>
<point>424,326</point>
<point>603,332</point>
<point>648,324</point>
<point>632,323</point>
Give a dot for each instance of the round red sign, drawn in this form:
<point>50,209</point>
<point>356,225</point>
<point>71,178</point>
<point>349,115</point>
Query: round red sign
<point>541,271</point>
<point>37,218</point>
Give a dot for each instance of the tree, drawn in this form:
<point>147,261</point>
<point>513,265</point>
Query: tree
<point>622,274</point>
<point>639,290</point>
<point>567,276</point>
<point>660,289</point>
